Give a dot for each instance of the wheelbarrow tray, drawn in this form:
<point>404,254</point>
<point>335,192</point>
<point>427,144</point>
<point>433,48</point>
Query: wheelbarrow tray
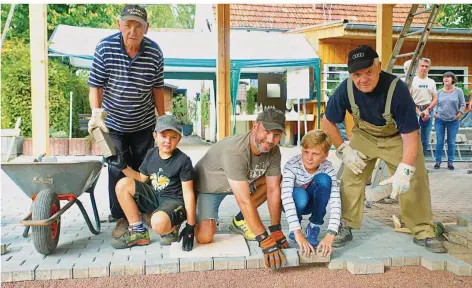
<point>73,177</point>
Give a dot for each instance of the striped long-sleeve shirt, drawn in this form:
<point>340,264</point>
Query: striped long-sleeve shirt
<point>295,175</point>
<point>127,83</point>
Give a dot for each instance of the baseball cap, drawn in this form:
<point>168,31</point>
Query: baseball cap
<point>168,122</point>
<point>134,12</point>
<point>272,119</point>
<point>360,58</point>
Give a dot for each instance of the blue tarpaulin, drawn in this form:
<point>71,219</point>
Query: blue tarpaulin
<point>192,55</point>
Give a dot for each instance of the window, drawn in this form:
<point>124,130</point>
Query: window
<point>334,74</point>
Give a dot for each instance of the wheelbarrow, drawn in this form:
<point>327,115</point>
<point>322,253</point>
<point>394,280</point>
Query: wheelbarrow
<point>48,183</point>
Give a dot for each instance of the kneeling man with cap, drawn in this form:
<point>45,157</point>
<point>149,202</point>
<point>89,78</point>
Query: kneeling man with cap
<point>385,127</point>
<point>247,166</point>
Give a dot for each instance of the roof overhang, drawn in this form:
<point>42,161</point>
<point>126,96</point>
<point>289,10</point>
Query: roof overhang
<point>346,30</point>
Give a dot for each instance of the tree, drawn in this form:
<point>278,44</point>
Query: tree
<point>456,16</point>
<point>171,16</point>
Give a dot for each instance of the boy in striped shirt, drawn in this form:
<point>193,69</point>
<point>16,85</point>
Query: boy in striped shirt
<point>309,184</point>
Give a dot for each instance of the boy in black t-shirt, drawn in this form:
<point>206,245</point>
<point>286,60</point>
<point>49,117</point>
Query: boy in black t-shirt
<point>164,181</point>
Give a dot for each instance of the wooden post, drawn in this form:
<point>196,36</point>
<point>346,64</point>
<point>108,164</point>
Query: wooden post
<point>39,78</point>
<point>223,72</point>
<point>384,33</point>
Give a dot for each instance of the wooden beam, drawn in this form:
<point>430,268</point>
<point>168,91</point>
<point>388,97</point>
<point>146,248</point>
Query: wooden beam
<point>223,72</point>
<point>384,33</point>
<point>39,78</point>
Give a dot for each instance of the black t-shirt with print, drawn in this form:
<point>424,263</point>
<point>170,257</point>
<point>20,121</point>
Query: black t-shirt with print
<point>166,174</point>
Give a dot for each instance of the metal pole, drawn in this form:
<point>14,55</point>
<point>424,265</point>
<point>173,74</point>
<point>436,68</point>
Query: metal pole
<point>298,122</point>
<point>7,24</point>
<point>70,117</point>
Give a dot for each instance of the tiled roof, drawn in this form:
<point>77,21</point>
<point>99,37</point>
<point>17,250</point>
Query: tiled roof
<point>301,15</point>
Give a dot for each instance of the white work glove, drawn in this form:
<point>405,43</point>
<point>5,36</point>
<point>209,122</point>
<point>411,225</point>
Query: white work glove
<point>97,120</point>
<point>400,180</point>
<point>351,158</point>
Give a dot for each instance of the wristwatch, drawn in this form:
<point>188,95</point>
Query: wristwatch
<point>329,231</point>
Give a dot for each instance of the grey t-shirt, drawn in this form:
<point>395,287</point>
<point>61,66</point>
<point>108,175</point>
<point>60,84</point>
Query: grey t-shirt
<point>450,103</point>
<point>231,158</point>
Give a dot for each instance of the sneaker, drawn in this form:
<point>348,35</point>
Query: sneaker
<point>431,244</point>
<point>131,238</point>
<point>121,228</point>
<point>344,236</point>
<point>450,166</point>
<point>240,227</point>
<point>173,236</point>
<point>437,165</point>
<point>312,235</point>
<point>291,237</point>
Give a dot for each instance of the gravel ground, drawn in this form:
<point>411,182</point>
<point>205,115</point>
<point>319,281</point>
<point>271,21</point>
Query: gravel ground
<point>313,276</point>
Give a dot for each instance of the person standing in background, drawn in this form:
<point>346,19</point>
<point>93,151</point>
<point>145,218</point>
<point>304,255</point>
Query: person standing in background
<point>424,93</point>
<point>451,106</point>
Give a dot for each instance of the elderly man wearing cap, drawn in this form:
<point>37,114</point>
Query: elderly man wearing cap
<point>247,166</point>
<point>126,83</point>
<point>385,127</point>
<point>163,186</point>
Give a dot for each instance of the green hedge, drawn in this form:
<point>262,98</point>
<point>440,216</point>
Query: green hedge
<point>16,90</point>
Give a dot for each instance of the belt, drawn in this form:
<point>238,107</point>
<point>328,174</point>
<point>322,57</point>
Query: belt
<point>423,106</point>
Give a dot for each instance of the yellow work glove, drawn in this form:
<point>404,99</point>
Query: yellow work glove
<point>400,180</point>
<point>352,158</point>
<point>97,120</point>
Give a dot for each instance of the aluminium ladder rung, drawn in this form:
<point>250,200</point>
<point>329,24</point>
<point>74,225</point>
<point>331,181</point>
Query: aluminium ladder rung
<point>419,31</point>
<point>423,11</point>
<point>404,55</point>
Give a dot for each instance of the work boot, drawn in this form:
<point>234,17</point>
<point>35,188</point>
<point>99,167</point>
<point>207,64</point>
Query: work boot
<point>450,166</point>
<point>240,227</point>
<point>344,236</point>
<point>437,165</point>
<point>131,238</point>
<point>120,228</point>
<point>173,236</point>
<point>431,244</point>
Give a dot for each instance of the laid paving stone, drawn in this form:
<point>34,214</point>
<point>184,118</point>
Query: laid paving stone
<point>135,267</point>
<point>99,269</point>
<point>195,264</point>
<point>63,270</point>
<point>81,269</point>
<point>337,264</point>
<point>291,256</point>
<point>433,263</point>
<point>314,258</point>
<point>255,261</point>
<point>405,259</point>
<point>233,263</point>
<point>162,266</point>
<point>24,272</point>
<point>365,266</point>
<point>459,267</point>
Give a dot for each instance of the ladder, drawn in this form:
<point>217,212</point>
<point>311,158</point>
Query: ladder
<point>434,11</point>
<point>381,172</point>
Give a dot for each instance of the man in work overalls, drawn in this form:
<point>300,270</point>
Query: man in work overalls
<point>385,127</point>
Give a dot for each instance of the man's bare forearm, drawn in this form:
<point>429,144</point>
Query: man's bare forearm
<point>333,132</point>
<point>410,147</point>
<point>95,97</point>
<point>434,102</point>
<point>251,216</point>
<point>158,94</point>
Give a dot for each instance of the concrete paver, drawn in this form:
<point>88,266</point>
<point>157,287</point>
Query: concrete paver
<point>84,255</point>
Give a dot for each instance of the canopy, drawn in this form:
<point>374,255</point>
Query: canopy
<point>192,54</point>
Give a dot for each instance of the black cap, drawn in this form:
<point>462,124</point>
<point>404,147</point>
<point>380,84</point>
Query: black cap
<point>272,119</point>
<point>134,12</point>
<point>168,122</point>
<point>360,58</point>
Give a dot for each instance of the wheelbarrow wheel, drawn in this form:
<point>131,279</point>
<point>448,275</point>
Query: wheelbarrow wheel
<point>45,238</point>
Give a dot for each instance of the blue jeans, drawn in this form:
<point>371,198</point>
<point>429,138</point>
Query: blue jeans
<point>314,199</point>
<point>425,131</point>
<point>452,129</point>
